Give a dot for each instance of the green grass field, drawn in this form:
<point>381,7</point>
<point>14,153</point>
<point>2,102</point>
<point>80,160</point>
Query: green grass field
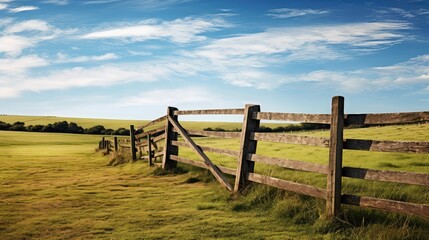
<point>55,186</point>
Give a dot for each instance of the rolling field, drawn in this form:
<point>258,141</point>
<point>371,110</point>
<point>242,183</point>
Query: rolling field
<point>55,186</point>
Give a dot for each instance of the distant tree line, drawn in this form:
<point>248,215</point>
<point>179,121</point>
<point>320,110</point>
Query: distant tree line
<point>63,127</point>
<point>288,128</point>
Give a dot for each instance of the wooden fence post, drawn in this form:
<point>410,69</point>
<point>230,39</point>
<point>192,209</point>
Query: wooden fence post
<point>115,141</point>
<point>170,136</point>
<point>149,147</point>
<point>108,146</point>
<point>103,143</point>
<point>333,191</point>
<point>246,146</point>
<point>133,143</point>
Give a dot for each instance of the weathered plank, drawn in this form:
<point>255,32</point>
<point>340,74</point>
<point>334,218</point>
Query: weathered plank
<point>291,164</point>
<point>214,134</point>
<point>158,120</point>
<point>386,118</point>
<point>247,146</point>
<point>158,138</point>
<point>421,210</point>
<point>387,176</point>
<point>226,170</point>
<point>387,146</point>
<point>335,165</point>
<point>124,146</point>
<point>294,117</point>
<point>212,168</point>
<point>158,154</point>
<point>288,185</point>
<point>237,111</point>
<point>209,149</point>
<point>153,131</point>
<point>292,139</point>
<point>170,136</point>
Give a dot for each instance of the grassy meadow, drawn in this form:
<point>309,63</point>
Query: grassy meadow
<point>56,186</point>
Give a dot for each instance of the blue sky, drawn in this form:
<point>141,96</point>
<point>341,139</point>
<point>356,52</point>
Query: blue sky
<point>130,59</point>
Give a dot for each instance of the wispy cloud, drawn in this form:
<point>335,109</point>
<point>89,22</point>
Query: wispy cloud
<point>20,65</point>
<point>412,73</point>
<point>30,25</point>
<point>23,9</point>
<point>98,2</point>
<point>63,58</point>
<point>303,42</point>
<point>17,36</point>
<point>154,4</point>
<point>57,2</point>
<point>292,12</point>
<point>13,45</point>
<point>180,30</point>
<point>3,6</point>
<point>178,96</point>
<point>105,75</point>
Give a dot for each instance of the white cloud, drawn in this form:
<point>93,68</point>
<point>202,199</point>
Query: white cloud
<point>23,9</point>
<point>13,45</point>
<point>98,2</point>
<point>412,73</point>
<point>3,6</point>
<point>105,75</point>
<point>17,36</point>
<point>167,97</point>
<point>180,30</point>
<point>292,12</point>
<point>20,65</point>
<point>30,25</point>
<point>298,40</point>
<point>154,4</point>
<point>57,2</point>
<point>63,58</point>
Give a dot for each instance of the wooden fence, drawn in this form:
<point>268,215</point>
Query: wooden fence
<point>249,136</point>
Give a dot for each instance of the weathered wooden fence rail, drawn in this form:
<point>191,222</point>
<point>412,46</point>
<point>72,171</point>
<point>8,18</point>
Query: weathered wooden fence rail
<point>146,143</point>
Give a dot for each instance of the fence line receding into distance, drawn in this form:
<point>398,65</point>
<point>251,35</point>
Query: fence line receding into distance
<point>146,143</point>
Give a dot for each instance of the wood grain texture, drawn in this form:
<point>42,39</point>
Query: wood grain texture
<point>421,210</point>
<point>170,136</point>
<point>288,185</point>
<point>386,118</point>
<point>156,131</point>
<point>212,168</point>
<point>387,176</point>
<point>294,117</point>
<point>291,164</point>
<point>387,146</point>
<point>209,149</point>
<point>237,111</point>
<point>226,170</point>
<point>247,146</point>
<point>214,134</point>
<point>292,139</point>
<point>335,165</point>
